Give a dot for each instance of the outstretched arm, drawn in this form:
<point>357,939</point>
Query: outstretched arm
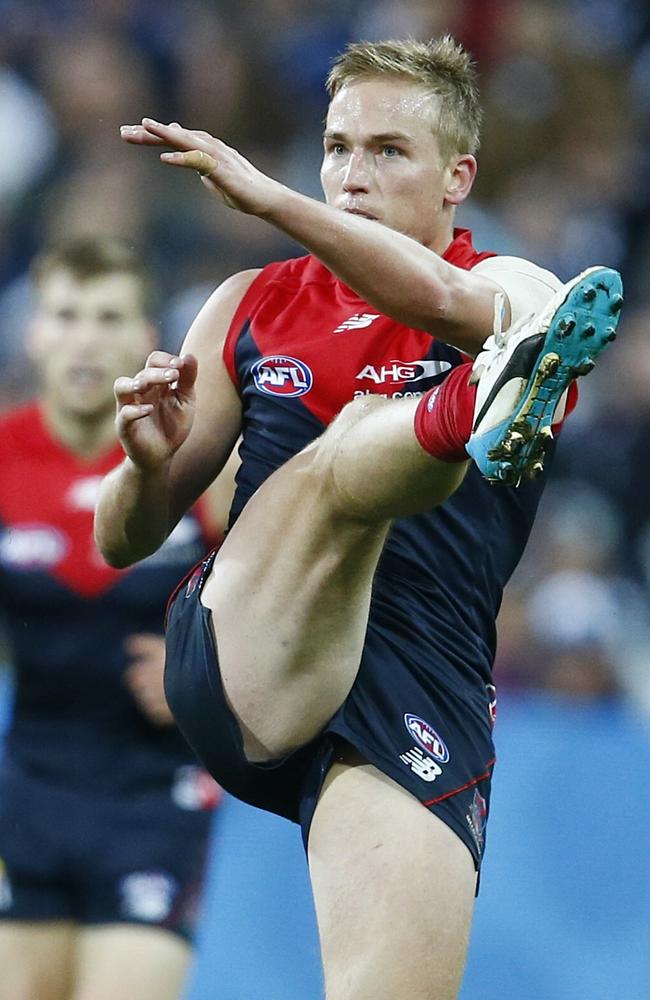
<point>178,420</point>
<point>392,272</point>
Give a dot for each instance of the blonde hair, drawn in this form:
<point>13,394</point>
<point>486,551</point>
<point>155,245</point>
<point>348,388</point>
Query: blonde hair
<point>441,65</point>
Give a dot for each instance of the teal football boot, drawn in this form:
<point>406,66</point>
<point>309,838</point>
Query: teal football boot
<point>523,374</point>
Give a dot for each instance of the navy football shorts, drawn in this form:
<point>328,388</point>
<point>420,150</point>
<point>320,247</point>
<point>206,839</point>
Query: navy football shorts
<point>425,737</point>
<point>68,854</point>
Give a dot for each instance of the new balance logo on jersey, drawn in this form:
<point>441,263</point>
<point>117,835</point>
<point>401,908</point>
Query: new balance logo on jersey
<point>403,371</point>
<point>425,767</point>
<point>357,322</point>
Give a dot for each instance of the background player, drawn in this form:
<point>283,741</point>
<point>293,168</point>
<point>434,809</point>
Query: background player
<point>306,674</point>
<point>104,813</point>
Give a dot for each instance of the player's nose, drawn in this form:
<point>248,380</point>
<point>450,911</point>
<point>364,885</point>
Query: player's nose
<point>357,177</point>
<point>87,334</point>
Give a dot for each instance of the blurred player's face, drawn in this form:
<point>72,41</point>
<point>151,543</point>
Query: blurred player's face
<point>382,160</point>
<point>84,335</point>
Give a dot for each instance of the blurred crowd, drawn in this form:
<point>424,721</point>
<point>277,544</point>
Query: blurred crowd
<point>564,174</point>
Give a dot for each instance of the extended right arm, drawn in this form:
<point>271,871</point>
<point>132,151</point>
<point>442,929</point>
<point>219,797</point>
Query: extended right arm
<point>177,420</point>
<point>391,271</point>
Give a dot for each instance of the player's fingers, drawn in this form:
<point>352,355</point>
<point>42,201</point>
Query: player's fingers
<point>139,135</point>
<point>127,389</point>
<point>199,132</point>
<point>162,716</point>
<point>150,696</point>
<point>195,159</point>
<point>153,133</point>
<point>123,390</point>
<point>147,652</point>
<point>133,411</point>
<point>177,136</point>
<point>136,677</point>
<point>154,378</point>
<point>187,374</point>
<point>144,642</point>
<point>162,359</point>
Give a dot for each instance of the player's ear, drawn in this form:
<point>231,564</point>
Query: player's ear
<point>460,174</point>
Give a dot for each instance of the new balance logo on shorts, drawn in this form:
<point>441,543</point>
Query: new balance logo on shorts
<point>425,767</point>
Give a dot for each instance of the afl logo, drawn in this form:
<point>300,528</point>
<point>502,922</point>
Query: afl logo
<point>282,376</point>
<point>427,737</point>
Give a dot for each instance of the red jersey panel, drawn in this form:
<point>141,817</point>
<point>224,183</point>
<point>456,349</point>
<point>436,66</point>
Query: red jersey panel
<point>303,344</point>
<point>335,347</point>
<point>68,616</point>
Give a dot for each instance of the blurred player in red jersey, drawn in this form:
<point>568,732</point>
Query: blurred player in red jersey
<point>333,663</point>
<point>105,814</point>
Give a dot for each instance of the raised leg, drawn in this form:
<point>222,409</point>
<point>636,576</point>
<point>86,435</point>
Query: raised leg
<point>290,588</point>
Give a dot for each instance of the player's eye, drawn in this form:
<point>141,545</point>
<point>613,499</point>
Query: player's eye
<point>110,317</point>
<point>334,148</point>
<point>390,152</point>
<point>66,315</point>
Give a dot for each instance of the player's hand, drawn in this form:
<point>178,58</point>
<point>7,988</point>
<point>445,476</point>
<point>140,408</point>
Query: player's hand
<point>222,169</point>
<point>144,676</point>
<point>155,408</point>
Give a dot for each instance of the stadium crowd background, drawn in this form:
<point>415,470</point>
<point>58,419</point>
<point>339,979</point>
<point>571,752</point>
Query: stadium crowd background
<point>564,178</point>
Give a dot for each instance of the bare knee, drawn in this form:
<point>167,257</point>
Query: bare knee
<point>352,413</point>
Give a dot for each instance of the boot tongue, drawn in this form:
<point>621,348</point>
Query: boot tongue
<point>499,337</point>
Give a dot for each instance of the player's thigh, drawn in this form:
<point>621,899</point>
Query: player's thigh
<point>289,596</point>
<point>394,891</point>
<point>125,960</point>
<point>36,960</point>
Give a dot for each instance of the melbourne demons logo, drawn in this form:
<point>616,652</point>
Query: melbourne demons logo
<point>278,375</point>
<point>427,737</point>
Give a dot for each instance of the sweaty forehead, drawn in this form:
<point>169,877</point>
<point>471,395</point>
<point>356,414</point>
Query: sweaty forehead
<point>376,105</point>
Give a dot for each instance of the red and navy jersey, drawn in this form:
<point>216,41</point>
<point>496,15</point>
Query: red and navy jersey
<point>68,615</point>
<point>301,345</point>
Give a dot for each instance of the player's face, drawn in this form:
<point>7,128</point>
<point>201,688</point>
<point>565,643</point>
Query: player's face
<point>382,159</point>
<point>84,335</point>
